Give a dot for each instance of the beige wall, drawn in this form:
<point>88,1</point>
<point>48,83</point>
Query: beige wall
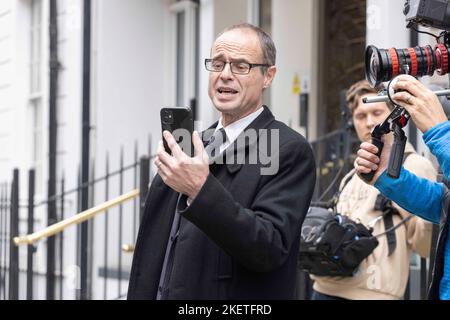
<point>229,12</point>
<point>215,15</point>
<point>293,29</point>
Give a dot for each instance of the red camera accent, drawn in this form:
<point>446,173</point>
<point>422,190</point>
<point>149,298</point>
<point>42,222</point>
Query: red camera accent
<point>442,58</point>
<point>394,59</point>
<point>428,54</point>
<point>414,64</point>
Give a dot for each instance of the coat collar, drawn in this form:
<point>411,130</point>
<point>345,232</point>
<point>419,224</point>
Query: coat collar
<point>262,121</point>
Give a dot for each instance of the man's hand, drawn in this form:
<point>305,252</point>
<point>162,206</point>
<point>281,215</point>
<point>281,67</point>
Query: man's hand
<point>368,160</point>
<point>179,171</point>
<point>421,103</point>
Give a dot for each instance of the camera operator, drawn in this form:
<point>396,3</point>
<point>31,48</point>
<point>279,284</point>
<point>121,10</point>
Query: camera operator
<point>384,274</point>
<point>427,199</point>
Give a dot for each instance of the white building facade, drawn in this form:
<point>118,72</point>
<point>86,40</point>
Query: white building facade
<point>145,54</point>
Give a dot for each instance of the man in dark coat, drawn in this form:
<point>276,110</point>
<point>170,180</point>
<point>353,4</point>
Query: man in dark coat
<point>228,229</point>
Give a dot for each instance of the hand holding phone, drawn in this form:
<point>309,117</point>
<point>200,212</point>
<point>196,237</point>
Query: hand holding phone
<point>179,122</point>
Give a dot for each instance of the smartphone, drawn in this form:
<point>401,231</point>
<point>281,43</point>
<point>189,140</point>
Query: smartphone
<point>179,121</point>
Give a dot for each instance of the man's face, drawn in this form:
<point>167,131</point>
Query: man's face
<point>237,95</point>
<point>367,116</point>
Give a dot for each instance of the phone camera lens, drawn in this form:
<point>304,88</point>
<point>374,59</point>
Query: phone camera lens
<point>167,117</point>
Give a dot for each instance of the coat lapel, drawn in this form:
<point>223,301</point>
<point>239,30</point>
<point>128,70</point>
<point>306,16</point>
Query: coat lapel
<point>262,121</point>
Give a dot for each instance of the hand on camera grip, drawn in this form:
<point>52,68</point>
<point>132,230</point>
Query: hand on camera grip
<point>379,144</point>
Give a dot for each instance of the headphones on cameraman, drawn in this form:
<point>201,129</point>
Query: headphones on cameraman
<point>345,112</point>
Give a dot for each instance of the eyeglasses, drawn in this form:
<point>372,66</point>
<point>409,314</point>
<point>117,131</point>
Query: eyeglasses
<point>215,65</point>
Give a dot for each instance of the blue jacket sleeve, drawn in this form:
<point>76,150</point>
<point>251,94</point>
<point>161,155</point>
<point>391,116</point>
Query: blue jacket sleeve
<point>438,140</point>
<point>417,195</point>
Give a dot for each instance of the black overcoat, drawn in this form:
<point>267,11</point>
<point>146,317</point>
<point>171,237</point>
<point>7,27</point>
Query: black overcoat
<point>239,238</point>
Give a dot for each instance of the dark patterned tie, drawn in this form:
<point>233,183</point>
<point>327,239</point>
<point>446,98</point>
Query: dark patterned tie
<point>212,147</point>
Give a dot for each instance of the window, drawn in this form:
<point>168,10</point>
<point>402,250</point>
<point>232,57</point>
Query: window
<point>181,49</point>
<point>35,46</point>
<point>265,23</point>
<point>35,99</point>
<point>185,49</point>
<point>260,14</point>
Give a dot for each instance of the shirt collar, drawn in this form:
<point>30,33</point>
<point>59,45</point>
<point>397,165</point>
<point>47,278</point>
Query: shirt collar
<point>234,129</point>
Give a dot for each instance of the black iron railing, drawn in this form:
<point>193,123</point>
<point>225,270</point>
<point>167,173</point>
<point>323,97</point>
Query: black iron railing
<point>22,273</point>
<point>112,236</point>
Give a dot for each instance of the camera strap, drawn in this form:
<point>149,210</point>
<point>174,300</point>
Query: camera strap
<point>385,205</point>
<point>343,184</point>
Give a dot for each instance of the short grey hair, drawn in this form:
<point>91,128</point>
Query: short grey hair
<point>267,46</point>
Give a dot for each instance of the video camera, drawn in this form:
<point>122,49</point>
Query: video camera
<point>429,13</point>
<point>386,64</point>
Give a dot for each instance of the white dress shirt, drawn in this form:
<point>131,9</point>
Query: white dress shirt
<point>234,129</point>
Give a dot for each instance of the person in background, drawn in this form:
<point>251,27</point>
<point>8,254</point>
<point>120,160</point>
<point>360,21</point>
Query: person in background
<point>384,273</point>
<point>425,198</point>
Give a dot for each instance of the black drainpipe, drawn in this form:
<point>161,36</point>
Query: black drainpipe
<point>84,293</point>
<point>53,131</point>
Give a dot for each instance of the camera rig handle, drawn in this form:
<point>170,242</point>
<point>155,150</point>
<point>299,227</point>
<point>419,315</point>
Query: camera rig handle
<point>395,123</point>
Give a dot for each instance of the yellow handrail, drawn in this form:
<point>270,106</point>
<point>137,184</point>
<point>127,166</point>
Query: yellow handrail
<point>76,219</point>
<point>128,248</point>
